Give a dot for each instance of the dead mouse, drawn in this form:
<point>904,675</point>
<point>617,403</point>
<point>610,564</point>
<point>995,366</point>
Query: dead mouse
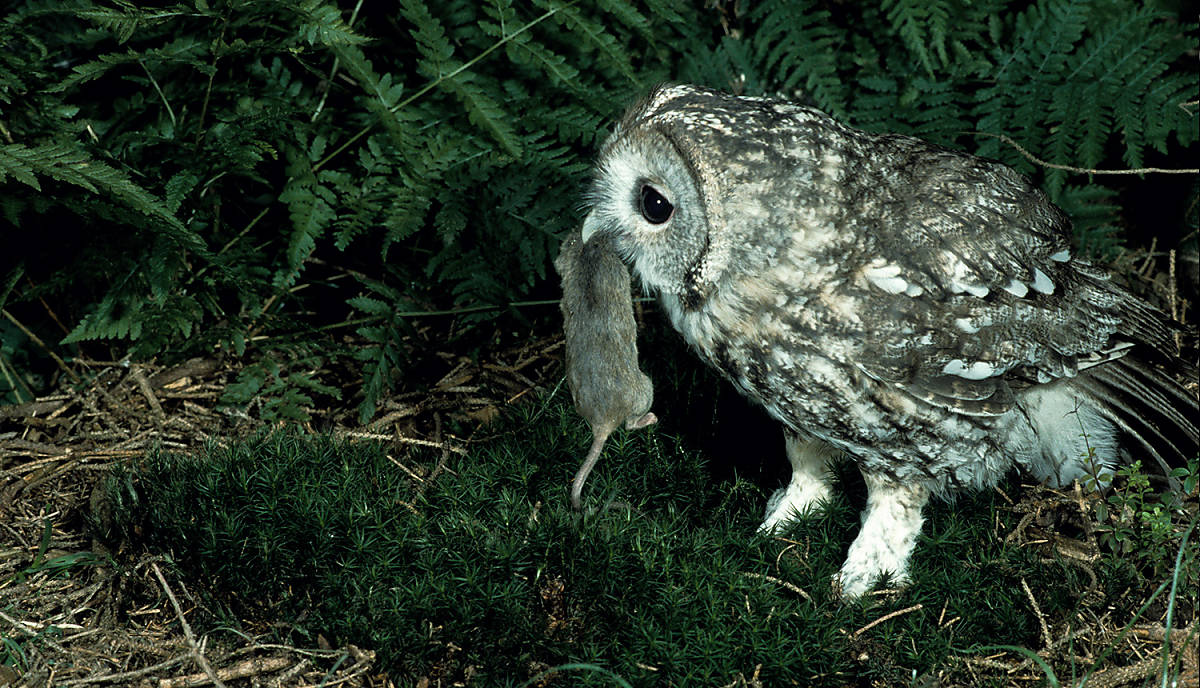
<point>602,368</point>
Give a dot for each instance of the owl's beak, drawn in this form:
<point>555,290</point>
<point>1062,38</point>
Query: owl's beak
<point>591,227</point>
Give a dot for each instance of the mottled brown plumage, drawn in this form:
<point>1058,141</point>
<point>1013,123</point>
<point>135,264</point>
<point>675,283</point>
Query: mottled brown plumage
<point>913,306</point>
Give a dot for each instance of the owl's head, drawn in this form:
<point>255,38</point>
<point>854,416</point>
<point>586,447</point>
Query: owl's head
<point>685,180</point>
<point>647,197</point>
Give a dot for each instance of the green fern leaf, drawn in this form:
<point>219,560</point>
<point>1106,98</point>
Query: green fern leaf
<point>371,306</point>
<point>799,46</point>
<point>668,10</point>
<point>628,15</point>
<point>436,52</point>
<point>323,25</point>
<point>1094,214</point>
<point>921,24</point>
<point>555,66</point>
<point>112,318</point>
<point>250,380</point>
<point>126,22</point>
<point>311,209</point>
<point>594,35</point>
<point>73,166</point>
<point>178,187</point>
<point>14,162</point>
<point>484,112</point>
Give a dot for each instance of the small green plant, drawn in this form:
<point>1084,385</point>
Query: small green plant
<point>1188,477</point>
<point>12,653</point>
<point>12,650</point>
<point>280,390</point>
<point>1142,526</point>
<point>55,566</point>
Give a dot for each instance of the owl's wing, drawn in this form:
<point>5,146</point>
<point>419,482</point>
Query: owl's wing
<point>976,293</point>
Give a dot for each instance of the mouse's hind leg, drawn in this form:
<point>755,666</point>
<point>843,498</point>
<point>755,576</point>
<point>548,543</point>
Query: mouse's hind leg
<point>809,485</point>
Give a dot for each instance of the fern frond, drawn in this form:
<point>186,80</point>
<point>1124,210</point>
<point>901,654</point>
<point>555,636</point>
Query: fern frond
<point>571,124</point>
<point>667,10</point>
<point>436,52</point>
<point>553,65</point>
<point>484,112</point>
<point>594,36</point>
<point>185,50</point>
<point>922,26</point>
<point>403,217</point>
<point>1095,214</point>
<point>386,353</point>
<point>19,162</point>
<point>876,102</point>
<point>10,281</point>
<point>311,208</point>
<point>628,15</point>
<point>111,319</point>
<point>1172,99</point>
<point>73,166</point>
<point>799,45</point>
<point>1028,68</point>
<point>322,24</point>
<point>1123,65</point>
<point>178,187</point>
<point>741,67</point>
<point>126,22</point>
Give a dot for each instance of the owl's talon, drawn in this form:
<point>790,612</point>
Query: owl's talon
<point>853,584</point>
<point>793,502</point>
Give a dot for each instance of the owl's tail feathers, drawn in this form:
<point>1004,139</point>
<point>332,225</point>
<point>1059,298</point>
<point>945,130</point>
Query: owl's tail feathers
<point>1151,406</point>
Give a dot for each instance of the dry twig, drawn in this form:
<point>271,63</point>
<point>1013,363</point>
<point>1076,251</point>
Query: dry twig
<point>885,617</point>
<point>196,654</point>
<point>1046,639</point>
<point>777,581</point>
<point>1081,170</point>
<point>243,669</point>
<point>127,675</point>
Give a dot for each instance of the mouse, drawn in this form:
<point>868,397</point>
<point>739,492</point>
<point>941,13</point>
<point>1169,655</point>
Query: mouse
<point>607,386</point>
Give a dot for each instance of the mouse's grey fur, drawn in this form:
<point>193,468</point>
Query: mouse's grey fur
<point>602,370</point>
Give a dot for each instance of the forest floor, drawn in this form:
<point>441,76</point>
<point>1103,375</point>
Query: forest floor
<point>73,612</point>
<point>76,611</point>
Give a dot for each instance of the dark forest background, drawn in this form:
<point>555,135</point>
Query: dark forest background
<point>292,183</point>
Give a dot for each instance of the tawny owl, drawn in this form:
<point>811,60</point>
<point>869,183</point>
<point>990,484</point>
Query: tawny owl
<point>913,307</point>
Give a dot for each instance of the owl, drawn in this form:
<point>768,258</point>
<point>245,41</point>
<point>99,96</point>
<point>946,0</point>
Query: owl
<point>911,307</point>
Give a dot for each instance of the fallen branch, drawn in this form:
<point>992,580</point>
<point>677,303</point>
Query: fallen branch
<point>127,675</point>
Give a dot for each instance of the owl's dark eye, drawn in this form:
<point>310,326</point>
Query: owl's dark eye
<point>654,206</point>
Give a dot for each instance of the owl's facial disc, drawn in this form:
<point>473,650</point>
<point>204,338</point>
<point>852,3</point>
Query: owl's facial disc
<point>645,197</point>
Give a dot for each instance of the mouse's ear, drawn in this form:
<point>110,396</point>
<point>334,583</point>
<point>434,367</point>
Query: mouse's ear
<point>568,251</point>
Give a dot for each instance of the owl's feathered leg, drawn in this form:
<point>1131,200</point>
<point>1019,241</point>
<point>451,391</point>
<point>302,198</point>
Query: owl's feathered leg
<point>890,525</point>
<point>809,485</point>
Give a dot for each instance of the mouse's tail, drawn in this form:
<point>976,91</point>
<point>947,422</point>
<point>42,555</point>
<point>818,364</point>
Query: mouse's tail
<point>589,463</point>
